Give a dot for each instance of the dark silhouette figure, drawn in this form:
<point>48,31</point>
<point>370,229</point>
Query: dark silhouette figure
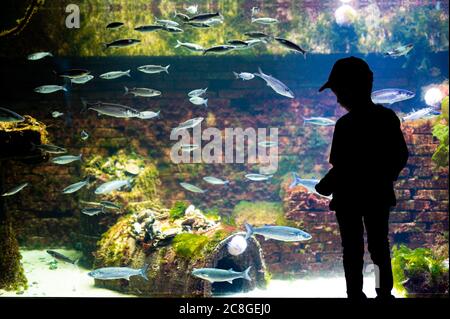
<point>368,152</point>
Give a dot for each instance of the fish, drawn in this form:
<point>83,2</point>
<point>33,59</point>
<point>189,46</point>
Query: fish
<point>391,96</point>
<point>188,124</point>
<point>290,45</point>
<point>268,144</point>
<point>143,92</point>
<point>190,46</point>
<point>189,147</point>
<point>115,74</point>
<point>167,22</point>
<point>238,43</point>
<point>66,159</point>
<point>15,189</point>
<point>38,55</point>
<point>204,17</point>
<point>219,49</point>
<point>114,25</point>
<point>237,245</point>
<point>244,76</point>
<point>219,275</point>
<point>420,114</point>
<point>321,121</point>
<point>111,273</point>
<point>150,69</point>
<point>110,205</point>
<point>146,115</point>
<point>45,89</point>
<point>149,28</point>
<point>265,20</point>
<point>92,211</point>
<point>213,21</point>
<point>308,183</point>
<point>275,84</point>
<point>73,73</point>
<point>82,79</point>
<point>197,92</point>
<point>258,177</point>
<point>49,148</point>
<point>192,9</point>
<point>121,43</point>
<point>257,35</point>
<point>111,109</point>
<point>192,188</point>
<point>281,233</point>
<point>200,25</point>
<point>172,29</point>
<point>198,100</point>
<point>111,186</point>
<point>8,116</point>
<point>399,51</point>
<point>61,257</point>
<point>215,181</point>
<point>56,114</point>
<point>76,186</point>
<point>181,16</point>
<point>252,42</point>
<point>84,135</point>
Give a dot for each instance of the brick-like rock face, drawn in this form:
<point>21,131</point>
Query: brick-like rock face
<point>46,217</point>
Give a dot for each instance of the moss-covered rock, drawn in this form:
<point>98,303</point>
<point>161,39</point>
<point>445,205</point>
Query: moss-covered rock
<point>259,213</point>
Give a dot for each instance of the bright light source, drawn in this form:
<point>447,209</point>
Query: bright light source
<point>346,1</point>
<point>345,15</point>
<point>433,96</point>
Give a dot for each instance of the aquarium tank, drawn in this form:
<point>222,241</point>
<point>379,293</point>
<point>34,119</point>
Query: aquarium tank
<point>172,148</point>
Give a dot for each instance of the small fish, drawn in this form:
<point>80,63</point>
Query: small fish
<point>45,89</point>
<point>197,92</point>
<point>399,51</point>
<point>291,45</point>
<point>111,186</point>
<point>258,177</point>
<point>267,144</point>
<point>149,28</point>
<point>219,275</point>
<point>61,257</point>
<point>257,35</point>
<point>9,116</point>
<point>252,42</point>
<point>38,56</point>
<point>114,25</point>
<point>110,205</point>
<point>111,109</point>
<point>198,100</point>
<point>188,124</point>
<point>321,121</point>
<point>146,115</point>
<point>115,74</point>
<point>15,189</point>
<point>84,135</point>
<point>143,92</point>
<point>49,148</point>
<point>205,17</point>
<point>265,20</point>
<point>150,69</point>
<point>190,46</point>
<point>213,21</point>
<point>76,186</point>
<point>92,211</point>
<point>82,79</point>
<point>172,29</point>
<point>167,23</point>
<point>56,114</point>
<point>199,25</point>
<point>65,159</point>
<point>181,16</point>
<point>244,76</point>
<point>215,181</point>
<point>219,49</point>
<point>281,233</point>
<point>73,73</point>
<point>238,43</point>
<point>308,183</point>
<point>189,147</point>
<point>419,114</point>
<point>111,273</point>
<point>122,43</point>
<point>391,96</point>
<point>275,84</point>
<point>192,188</point>
<point>192,9</point>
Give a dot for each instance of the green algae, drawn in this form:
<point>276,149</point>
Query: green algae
<point>259,213</point>
<point>177,210</point>
<point>189,245</point>
<point>441,132</point>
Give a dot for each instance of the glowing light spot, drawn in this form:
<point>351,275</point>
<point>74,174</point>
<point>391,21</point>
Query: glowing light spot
<point>433,96</point>
<point>345,15</point>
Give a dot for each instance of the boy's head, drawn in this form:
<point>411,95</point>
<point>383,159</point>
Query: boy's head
<point>351,81</point>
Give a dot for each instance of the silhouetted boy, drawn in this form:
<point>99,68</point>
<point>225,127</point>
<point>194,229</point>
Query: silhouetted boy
<point>368,152</point>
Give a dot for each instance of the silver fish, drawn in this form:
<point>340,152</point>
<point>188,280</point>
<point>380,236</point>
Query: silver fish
<point>146,115</point>
<point>257,35</point>
<point>92,211</point>
<point>9,116</point>
<point>192,188</point>
<point>73,73</point>
<point>190,46</point>
<point>189,124</point>
<point>45,89</point>
<point>82,79</point>
<point>253,42</point>
<point>219,275</point>
<point>111,186</point>
<point>15,189</point>
<point>38,56</point>
<point>56,114</point>
<point>84,135</point>
<point>390,96</point>
<point>258,177</point>
<point>275,84</point>
<point>290,45</point>
<point>321,121</point>
<point>215,181</point>
<point>143,92</point>
<point>110,205</point>
<point>49,148</point>
<point>281,233</point>
<point>399,51</point>
<point>61,257</point>
<point>115,74</point>
<point>149,28</point>
<point>167,22</point>
<point>189,147</point>
<point>197,92</point>
<point>172,29</point>
<point>181,16</point>
<point>114,110</point>
<point>197,100</point>
<point>244,76</point>
<point>419,114</point>
<point>122,43</point>
<point>76,186</point>
<point>111,273</point>
<point>219,49</point>
<point>205,17</point>
<point>66,159</point>
<point>150,69</point>
<point>198,24</point>
<point>213,21</point>
<point>265,20</point>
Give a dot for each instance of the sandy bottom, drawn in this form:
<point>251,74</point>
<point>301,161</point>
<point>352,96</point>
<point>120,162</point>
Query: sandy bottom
<point>71,281</point>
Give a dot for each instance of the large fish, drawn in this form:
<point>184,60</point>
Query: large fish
<point>275,84</point>
<point>111,109</point>
<point>420,114</point>
<point>151,69</point>
<point>115,74</point>
<point>219,275</point>
<point>111,273</point>
<point>111,186</point>
<point>391,96</point>
<point>15,189</point>
<point>143,92</point>
<point>281,233</point>
<point>9,116</point>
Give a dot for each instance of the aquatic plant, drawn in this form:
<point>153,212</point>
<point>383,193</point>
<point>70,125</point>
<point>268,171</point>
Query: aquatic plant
<point>177,210</point>
<point>440,131</point>
<point>259,213</point>
<point>188,245</point>
<point>29,124</point>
